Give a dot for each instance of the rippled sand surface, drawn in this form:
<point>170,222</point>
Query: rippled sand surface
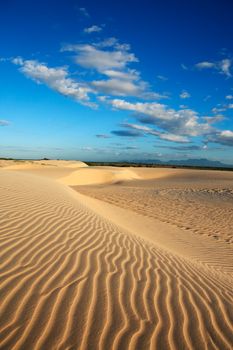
<point>142,264</point>
<point>198,200</point>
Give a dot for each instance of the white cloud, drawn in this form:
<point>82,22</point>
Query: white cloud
<point>159,134</point>
<point>218,109</point>
<point>215,119</point>
<point>185,94</point>
<point>174,138</point>
<point>102,98</point>
<point>89,56</point>
<point>56,78</point>
<point>121,83</point>
<point>123,87</point>
<point>112,42</point>
<point>176,126</point>
<point>109,42</point>
<point>227,134</point>
<point>92,29</point>
<point>117,87</point>
<point>183,122</point>
<point>112,59</point>
<point>224,137</point>
<point>130,74</point>
<point>223,66</point>
<point>18,60</point>
<point>4,122</point>
<point>222,108</point>
<point>205,65</point>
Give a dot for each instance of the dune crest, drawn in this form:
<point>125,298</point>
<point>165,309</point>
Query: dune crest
<point>91,176</point>
<point>40,164</point>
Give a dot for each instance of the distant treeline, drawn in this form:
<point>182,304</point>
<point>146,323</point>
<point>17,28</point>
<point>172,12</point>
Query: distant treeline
<point>153,165</point>
<point>7,159</point>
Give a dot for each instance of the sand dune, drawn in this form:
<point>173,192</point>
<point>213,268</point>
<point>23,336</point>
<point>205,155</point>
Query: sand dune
<point>204,206</point>
<point>78,275</point>
<point>72,172</point>
<point>87,176</point>
<point>36,164</point>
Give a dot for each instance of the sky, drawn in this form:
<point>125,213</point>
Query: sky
<point>116,80</point>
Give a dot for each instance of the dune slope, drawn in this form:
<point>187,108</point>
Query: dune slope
<point>72,279</point>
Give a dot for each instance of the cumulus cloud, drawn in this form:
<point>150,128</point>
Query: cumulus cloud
<point>184,94</point>
<point>112,59</point>
<point>4,122</point>
<point>218,109</point>
<point>108,42</point>
<point>125,83</point>
<point>205,65</point>
<point>129,75</point>
<point>160,134</point>
<point>173,138</point>
<point>124,87</point>
<point>223,66</point>
<point>114,77</point>
<point>88,56</point>
<point>171,125</point>
<point>56,78</point>
<point>215,119</point>
<point>92,29</point>
<point>109,58</point>
<point>224,137</point>
<point>183,122</point>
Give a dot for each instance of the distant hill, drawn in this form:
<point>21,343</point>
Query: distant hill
<point>202,162</point>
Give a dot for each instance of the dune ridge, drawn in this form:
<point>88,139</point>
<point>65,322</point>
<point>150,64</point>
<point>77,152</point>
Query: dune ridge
<point>72,279</point>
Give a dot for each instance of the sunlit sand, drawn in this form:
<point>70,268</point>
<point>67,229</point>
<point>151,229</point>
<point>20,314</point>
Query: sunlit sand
<point>115,258</point>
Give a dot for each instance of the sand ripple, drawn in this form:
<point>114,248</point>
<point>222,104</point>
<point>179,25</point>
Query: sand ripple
<point>71,279</point>
<point>205,211</point>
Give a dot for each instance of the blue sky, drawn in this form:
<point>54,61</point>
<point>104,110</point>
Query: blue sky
<point>116,80</point>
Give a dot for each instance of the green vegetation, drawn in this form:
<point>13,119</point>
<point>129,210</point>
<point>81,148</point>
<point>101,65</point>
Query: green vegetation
<point>154,165</point>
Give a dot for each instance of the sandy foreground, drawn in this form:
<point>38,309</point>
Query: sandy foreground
<point>115,258</point>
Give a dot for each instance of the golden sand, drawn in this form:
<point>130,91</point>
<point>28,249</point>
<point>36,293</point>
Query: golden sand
<point>132,259</point>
